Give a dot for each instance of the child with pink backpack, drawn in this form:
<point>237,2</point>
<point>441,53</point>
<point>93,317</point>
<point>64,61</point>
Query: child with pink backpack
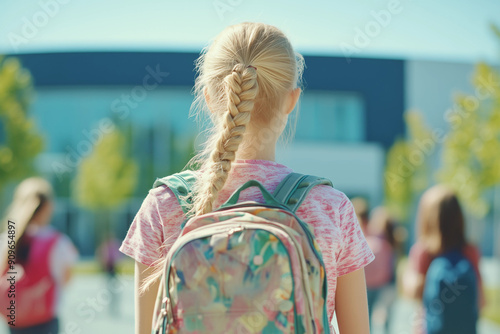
<point>243,244</point>
<point>35,263</point>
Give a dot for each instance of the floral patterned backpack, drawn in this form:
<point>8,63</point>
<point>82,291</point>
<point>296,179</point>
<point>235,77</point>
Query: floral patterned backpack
<point>244,268</point>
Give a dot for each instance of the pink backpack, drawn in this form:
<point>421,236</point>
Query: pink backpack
<point>33,288</point>
<point>244,268</point>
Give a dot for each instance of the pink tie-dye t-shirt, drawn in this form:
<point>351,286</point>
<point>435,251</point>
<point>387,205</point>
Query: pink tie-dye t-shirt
<point>328,210</point>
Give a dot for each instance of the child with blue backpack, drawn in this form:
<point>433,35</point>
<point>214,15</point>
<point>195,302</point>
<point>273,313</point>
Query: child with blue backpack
<point>211,271</point>
<point>443,270</point>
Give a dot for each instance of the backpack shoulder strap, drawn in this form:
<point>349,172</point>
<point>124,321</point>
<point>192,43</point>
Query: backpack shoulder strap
<point>294,188</point>
<point>181,185</point>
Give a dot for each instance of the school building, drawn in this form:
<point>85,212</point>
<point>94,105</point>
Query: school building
<point>350,114</point>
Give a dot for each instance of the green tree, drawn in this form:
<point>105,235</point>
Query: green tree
<point>406,167</point>
<point>20,141</point>
<point>105,179</point>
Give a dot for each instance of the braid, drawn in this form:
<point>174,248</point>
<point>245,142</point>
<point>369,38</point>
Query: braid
<point>241,90</point>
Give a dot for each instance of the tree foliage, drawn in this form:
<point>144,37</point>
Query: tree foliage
<point>406,166</point>
<point>20,140</point>
<point>471,155</point>
<point>470,160</point>
<point>107,176</point>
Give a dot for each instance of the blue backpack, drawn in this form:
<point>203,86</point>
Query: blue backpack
<point>450,295</point>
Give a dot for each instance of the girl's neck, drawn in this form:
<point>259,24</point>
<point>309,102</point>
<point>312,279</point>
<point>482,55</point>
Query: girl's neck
<point>256,147</point>
<point>34,227</point>
<point>267,153</point>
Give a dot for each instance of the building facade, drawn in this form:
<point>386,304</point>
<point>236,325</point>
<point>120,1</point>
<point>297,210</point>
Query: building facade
<point>350,114</point>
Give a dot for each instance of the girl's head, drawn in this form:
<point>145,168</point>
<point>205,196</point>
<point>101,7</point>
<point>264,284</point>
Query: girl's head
<point>248,82</point>
<point>360,206</point>
<point>32,202</point>
<point>440,220</point>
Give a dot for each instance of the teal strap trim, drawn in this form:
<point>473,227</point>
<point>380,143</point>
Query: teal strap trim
<point>294,188</point>
<point>181,185</point>
<point>269,199</point>
<point>286,187</point>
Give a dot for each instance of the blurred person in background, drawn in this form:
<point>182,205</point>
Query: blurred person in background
<point>43,260</point>
<point>361,209</point>
<point>380,274</point>
<point>379,232</point>
<point>443,268</point>
<point>108,255</point>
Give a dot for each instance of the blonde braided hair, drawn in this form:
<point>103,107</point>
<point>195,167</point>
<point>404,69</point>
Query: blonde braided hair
<point>241,90</point>
<point>246,73</point>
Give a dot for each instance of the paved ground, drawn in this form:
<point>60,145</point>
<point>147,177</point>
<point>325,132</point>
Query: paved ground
<point>88,301</point>
<point>86,306</point>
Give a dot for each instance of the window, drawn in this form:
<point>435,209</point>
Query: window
<point>331,116</point>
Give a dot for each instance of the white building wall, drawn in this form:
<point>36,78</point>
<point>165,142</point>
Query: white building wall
<point>431,86</point>
<point>355,169</point>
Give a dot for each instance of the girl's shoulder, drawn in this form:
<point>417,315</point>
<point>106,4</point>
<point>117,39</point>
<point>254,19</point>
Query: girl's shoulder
<point>328,209</point>
<point>269,173</point>
<point>43,233</point>
<point>162,199</point>
<point>472,253</point>
<point>330,197</point>
<point>419,257</point>
<point>166,188</point>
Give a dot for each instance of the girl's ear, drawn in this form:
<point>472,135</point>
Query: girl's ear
<point>293,97</point>
<point>207,98</point>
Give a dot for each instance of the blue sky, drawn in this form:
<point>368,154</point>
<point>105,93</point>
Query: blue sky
<point>453,30</point>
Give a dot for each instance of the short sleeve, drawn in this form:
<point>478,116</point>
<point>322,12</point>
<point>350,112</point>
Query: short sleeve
<point>145,235</point>
<point>473,254</point>
<point>419,258</point>
<point>354,252</point>
<point>63,256</point>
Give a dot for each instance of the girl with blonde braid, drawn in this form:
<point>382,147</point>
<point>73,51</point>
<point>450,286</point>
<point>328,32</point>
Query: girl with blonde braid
<point>249,83</point>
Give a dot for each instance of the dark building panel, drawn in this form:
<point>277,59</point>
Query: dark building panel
<point>108,68</point>
<point>379,81</point>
